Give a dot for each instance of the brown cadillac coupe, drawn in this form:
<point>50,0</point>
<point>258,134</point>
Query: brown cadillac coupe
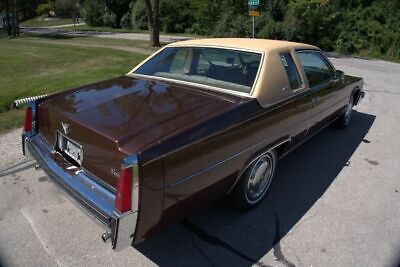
<point>195,121</point>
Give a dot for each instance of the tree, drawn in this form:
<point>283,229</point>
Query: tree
<point>12,21</point>
<point>118,8</point>
<point>153,21</point>
<point>64,8</point>
<point>8,17</point>
<point>176,16</point>
<point>16,19</point>
<point>94,11</point>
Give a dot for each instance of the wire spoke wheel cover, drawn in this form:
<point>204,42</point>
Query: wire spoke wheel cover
<point>347,114</point>
<point>260,178</point>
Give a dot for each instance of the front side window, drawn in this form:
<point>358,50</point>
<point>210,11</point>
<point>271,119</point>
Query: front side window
<point>223,68</point>
<point>316,68</point>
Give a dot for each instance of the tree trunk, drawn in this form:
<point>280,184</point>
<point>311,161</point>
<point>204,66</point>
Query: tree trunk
<point>16,18</point>
<point>118,18</point>
<point>156,21</point>
<point>153,21</point>
<point>14,28</point>
<point>8,16</point>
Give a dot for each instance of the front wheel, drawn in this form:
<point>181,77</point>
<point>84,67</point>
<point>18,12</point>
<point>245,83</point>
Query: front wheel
<point>254,183</point>
<point>344,119</point>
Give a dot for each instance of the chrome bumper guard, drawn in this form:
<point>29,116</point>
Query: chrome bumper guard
<point>94,199</point>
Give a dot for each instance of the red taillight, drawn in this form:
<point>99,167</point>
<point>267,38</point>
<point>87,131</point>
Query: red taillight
<point>28,120</point>
<point>123,198</point>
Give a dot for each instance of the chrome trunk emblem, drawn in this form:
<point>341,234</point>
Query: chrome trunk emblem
<point>66,127</point>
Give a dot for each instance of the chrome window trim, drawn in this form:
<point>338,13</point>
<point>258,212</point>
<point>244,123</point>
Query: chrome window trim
<point>218,89</point>
<point>208,87</point>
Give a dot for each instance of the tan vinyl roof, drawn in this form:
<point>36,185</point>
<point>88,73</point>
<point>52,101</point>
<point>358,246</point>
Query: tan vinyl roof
<point>262,45</point>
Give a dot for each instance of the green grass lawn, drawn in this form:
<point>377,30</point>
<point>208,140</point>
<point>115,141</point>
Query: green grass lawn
<point>39,22</point>
<point>29,69</point>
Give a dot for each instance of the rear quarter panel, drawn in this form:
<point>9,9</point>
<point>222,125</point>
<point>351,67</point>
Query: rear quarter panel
<point>206,169</point>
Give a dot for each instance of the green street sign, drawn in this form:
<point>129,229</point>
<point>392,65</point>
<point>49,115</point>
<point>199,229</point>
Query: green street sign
<point>254,2</point>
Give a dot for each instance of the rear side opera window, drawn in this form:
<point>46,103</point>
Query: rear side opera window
<point>291,71</point>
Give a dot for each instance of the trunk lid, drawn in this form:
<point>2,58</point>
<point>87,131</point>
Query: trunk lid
<point>118,117</point>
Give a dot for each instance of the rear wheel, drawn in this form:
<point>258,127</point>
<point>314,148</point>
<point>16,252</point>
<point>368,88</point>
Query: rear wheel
<point>344,119</point>
<point>253,185</point>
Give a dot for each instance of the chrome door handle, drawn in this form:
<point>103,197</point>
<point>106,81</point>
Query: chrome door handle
<point>315,99</point>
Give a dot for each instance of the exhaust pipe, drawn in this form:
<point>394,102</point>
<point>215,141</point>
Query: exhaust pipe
<point>105,236</point>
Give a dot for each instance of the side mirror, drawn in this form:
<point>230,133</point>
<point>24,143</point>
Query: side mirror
<point>339,75</point>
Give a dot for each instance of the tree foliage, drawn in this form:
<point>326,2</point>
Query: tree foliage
<point>369,27</point>
<point>94,11</point>
<point>64,8</point>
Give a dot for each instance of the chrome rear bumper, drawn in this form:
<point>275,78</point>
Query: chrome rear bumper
<point>360,96</point>
<point>94,199</point>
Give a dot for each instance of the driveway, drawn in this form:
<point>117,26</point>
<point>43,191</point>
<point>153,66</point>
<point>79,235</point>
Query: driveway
<point>334,202</point>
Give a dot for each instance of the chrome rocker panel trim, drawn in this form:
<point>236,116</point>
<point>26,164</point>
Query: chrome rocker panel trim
<point>96,201</point>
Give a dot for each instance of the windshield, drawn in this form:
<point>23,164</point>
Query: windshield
<point>223,68</point>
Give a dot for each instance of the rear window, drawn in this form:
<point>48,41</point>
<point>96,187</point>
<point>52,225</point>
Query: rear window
<point>223,68</point>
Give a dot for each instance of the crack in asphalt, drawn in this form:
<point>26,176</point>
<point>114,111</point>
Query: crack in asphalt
<point>201,251</point>
<point>20,168</point>
<point>215,241</point>
<point>277,247</point>
<point>384,92</point>
<point>15,165</point>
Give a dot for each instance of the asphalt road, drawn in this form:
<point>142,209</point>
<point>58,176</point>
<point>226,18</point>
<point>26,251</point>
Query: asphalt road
<point>114,35</point>
<point>335,202</point>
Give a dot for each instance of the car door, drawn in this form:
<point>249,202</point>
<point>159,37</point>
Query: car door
<point>300,121</point>
<point>323,87</point>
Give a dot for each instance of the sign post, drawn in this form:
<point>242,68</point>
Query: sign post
<point>253,12</point>
<point>252,18</point>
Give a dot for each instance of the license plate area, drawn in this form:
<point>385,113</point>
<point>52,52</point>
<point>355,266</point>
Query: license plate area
<point>69,148</point>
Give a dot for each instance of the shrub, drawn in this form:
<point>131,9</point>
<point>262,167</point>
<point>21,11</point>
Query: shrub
<point>108,18</point>
<point>176,16</point>
<point>138,15</point>
<point>44,9</point>
<point>64,8</point>
<point>94,10</point>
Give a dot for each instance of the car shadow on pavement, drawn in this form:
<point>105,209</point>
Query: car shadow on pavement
<point>218,235</point>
